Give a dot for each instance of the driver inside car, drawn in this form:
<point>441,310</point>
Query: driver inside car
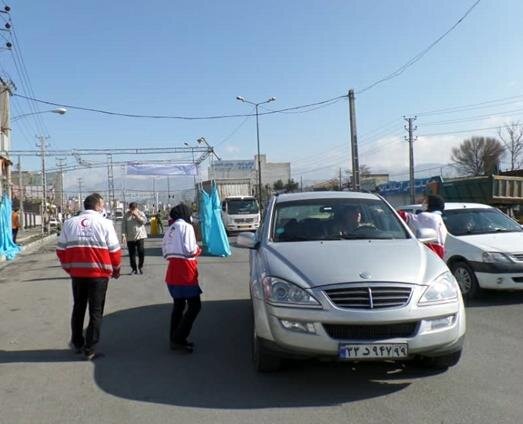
<point>347,220</point>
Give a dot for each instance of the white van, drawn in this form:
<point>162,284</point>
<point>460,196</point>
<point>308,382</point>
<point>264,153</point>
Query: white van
<point>484,248</point>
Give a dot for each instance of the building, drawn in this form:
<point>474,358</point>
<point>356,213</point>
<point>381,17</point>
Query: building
<point>248,169</point>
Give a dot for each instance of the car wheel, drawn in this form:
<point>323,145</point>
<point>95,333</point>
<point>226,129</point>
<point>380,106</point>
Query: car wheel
<point>468,283</point>
<point>442,362</point>
<point>263,361</point>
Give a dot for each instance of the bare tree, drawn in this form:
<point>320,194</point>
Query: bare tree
<point>512,137</point>
<point>478,155</point>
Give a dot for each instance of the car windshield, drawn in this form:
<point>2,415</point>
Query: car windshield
<point>462,222</point>
<point>242,206</point>
<point>335,219</point>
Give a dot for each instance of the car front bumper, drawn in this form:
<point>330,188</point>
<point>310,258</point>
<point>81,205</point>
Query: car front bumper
<point>269,328</point>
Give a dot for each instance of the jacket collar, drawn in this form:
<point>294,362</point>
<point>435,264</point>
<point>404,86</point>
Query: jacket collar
<point>90,212</point>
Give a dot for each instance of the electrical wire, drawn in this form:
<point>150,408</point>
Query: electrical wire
<point>188,118</point>
<point>420,55</point>
<point>473,106</point>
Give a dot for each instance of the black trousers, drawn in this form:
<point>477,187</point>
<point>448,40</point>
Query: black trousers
<point>183,315</point>
<point>15,233</point>
<point>88,291</point>
<point>134,247</point>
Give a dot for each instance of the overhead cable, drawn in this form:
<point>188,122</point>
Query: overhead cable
<point>420,55</point>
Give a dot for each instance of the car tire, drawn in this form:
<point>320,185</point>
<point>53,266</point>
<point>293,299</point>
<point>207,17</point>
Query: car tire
<point>263,360</point>
<point>466,278</point>
<point>442,362</point>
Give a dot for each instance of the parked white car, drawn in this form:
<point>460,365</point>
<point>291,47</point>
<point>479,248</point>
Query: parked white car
<point>484,248</point>
<point>338,275</point>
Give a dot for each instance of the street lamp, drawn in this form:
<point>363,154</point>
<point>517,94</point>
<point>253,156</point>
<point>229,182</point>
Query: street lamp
<point>59,111</point>
<point>42,144</point>
<point>272,99</point>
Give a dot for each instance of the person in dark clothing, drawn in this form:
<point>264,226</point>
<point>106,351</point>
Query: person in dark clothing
<point>180,249</point>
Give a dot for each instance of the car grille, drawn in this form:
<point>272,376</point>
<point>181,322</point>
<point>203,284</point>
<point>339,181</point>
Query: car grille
<point>244,220</point>
<point>371,332</point>
<point>518,256</point>
<point>370,297</point>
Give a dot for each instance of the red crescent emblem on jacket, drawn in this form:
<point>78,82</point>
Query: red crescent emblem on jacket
<point>82,222</point>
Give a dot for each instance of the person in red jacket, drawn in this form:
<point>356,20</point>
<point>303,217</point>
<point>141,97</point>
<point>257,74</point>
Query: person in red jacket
<point>180,249</point>
<point>89,252</point>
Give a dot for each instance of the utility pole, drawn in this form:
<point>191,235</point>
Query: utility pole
<point>60,163</point>
<point>21,191</point>
<point>301,183</point>
<point>80,193</point>
<point>411,139</point>
<point>168,189</point>
<point>110,181</point>
<point>354,143</point>
<point>43,144</point>
<point>341,184</point>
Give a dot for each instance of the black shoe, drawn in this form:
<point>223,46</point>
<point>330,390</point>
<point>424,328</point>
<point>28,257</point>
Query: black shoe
<point>89,355</point>
<point>133,272</point>
<point>186,347</point>
<point>140,271</point>
<point>75,348</point>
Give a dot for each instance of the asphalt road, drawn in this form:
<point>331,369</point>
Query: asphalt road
<point>140,381</point>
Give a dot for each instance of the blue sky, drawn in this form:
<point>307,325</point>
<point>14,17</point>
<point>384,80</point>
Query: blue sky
<point>195,57</point>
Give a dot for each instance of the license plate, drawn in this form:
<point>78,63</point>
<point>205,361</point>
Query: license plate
<point>373,350</point>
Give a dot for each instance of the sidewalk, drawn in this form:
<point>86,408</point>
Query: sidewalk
<point>30,241</point>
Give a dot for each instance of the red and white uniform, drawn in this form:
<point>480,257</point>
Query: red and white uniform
<point>88,246</point>
<point>432,220</point>
<point>179,247</point>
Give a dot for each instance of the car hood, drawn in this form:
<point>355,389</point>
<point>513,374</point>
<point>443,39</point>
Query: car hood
<point>318,263</point>
<point>496,242</point>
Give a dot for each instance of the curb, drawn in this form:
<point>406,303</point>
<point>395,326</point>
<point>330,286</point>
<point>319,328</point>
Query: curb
<point>28,248</point>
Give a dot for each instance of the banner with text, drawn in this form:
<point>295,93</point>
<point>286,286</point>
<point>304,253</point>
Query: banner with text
<point>161,169</point>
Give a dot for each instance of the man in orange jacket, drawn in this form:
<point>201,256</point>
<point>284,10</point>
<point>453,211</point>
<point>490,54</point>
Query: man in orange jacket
<point>89,252</point>
<point>15,221</point>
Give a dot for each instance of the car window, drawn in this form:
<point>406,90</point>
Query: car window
<point>242,206</point>
<point>335,219</point>
<point>463,222</point>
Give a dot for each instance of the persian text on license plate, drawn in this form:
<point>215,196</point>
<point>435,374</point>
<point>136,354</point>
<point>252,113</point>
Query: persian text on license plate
<point>373,350</point>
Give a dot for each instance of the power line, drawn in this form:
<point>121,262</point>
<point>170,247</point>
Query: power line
<point>459,131</point>
<point>420,55</point>
<point>180,117</point>
<point>485,104</point>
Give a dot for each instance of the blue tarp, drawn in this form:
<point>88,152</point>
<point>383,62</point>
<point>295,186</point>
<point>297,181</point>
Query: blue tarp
<point>7,247</point>
<point>214,236</point>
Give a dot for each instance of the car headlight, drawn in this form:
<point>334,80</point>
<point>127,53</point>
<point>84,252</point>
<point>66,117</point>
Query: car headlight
<point>277,291</point>
<point>442,289</point>
<point>495,257</point>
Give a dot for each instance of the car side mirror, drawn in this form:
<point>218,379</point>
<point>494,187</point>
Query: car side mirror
<point>426,235</point>
<point>247,241</point>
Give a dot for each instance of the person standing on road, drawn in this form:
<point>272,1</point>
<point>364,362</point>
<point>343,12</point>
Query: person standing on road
<point>431,218</point>
<point>89,252</point>
<point>179,247</point>
<point>134,233</point>
<point>15,221</point>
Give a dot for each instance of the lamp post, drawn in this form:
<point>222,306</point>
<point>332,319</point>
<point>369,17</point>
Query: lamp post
<point>42,144</point>
<point>256,105</point>
<point>59,111</point>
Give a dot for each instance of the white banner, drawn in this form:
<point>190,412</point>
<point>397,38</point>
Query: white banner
<point>165,169</point>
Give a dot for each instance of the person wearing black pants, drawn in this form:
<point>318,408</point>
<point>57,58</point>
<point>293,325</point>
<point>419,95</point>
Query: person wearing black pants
<point>88,291</point>
<point>183,315</point>
<point>134,234</point>
<point>179,247</point>
<point>135,247</point>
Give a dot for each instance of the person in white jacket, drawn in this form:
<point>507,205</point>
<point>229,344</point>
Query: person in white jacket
<point>180,249</point>
<point>431,218</point>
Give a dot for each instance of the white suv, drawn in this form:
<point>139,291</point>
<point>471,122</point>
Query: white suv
<point>484,248</point>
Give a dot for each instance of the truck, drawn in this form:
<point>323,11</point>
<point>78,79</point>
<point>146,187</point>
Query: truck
<point>501,191</point>
<point>240,210</point>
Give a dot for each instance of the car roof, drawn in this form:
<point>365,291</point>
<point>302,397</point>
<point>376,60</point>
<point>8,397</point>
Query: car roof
<point>449,206</point>
<point>312,195</point>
